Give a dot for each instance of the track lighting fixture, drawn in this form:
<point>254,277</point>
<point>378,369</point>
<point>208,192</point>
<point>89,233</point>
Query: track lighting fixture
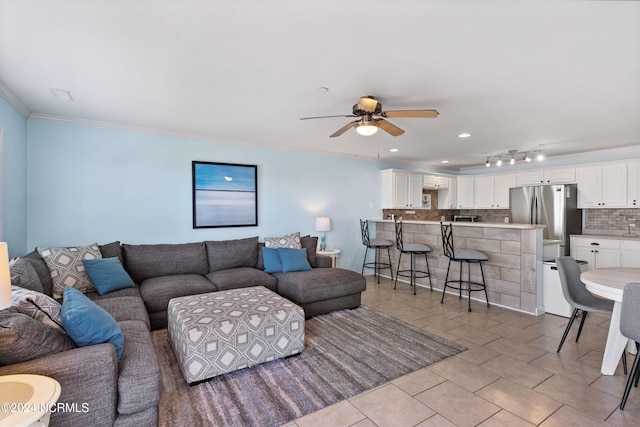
<point>513,156</point>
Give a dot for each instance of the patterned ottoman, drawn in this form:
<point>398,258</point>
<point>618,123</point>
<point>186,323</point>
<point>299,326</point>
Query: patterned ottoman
<point>219,332</point>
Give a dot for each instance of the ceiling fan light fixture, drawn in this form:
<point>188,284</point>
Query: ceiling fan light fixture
<point>367,128</point>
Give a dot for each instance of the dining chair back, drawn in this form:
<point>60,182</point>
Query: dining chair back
<point>630,328</point>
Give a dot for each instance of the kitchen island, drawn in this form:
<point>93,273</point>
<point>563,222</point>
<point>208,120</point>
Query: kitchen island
<point>513,272</point>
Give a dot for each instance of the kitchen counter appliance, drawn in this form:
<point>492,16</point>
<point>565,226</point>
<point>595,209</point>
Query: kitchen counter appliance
<point>465,218</point>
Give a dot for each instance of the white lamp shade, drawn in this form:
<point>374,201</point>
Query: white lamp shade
<point>5,277</point>
<point>323,223</point>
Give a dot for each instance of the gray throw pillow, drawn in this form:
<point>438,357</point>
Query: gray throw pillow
<point>23,338</point>
<point>310,243</point>
<point>227,254</point>
<point>37,305</point>
<point>24,275</point>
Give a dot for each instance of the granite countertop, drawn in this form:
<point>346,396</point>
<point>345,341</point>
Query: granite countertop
<point>607,236</point>
<point>470,224</point>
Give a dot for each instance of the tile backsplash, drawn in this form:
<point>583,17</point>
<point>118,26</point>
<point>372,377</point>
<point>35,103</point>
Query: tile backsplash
<point>611,221</point>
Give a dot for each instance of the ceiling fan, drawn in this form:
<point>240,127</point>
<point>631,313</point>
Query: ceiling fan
<point>368,108</point>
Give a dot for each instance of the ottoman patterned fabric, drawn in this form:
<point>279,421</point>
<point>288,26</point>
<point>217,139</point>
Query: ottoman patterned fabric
<point>219,332</point>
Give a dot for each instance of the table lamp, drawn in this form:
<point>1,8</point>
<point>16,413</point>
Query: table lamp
<point>323,224</point>
<point>5,277</point>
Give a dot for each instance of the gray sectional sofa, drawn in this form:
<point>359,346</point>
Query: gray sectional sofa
<point>127,393</point>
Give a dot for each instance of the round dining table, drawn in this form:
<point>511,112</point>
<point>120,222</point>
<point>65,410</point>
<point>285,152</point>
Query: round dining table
<point>608,283</point>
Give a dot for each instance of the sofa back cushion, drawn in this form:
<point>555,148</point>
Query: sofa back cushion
<point>227,254</point>
<point>145,261</point>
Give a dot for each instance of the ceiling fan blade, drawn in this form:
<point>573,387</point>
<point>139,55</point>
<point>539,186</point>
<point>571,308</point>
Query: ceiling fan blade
<point>410,113</point>
<point>344,128</point>
<point>388,127</point>
<point>327,117</point>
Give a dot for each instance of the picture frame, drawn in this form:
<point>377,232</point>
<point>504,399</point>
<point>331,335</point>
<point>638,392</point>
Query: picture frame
<point>224,195</point>
<point>426,201</point>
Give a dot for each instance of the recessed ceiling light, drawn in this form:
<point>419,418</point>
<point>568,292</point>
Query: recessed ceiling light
<point>394,150</point>
<point>444,161</point>
<point>61,94</point>
<point>464,135</point>
<point>323,89</point>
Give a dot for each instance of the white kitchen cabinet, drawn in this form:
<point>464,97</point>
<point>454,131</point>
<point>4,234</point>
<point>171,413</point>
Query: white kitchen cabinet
<point>447,195</point>
<point>598,252</point>
<point>435,182</point>
<point>633,184</point>
<point>401,189</point>
<point>630,253</point>
<point>465,192</point>
<point>602,186</point>
<point>547,176</point>
<point>492,191</point>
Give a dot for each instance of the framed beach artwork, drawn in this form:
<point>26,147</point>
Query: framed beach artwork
<point>224,195</point>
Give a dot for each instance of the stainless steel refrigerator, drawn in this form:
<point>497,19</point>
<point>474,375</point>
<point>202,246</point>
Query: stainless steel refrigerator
<point>552,205</point>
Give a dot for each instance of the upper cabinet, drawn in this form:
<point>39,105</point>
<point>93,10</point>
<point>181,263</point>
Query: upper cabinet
<point>548,176</point>
<point>492,191</point>
<point>465,192</point>
<point>435,182</point>
<point>401,189</point>
<point>447,195</point>
<point>633,190</point>
<point>602,186</point>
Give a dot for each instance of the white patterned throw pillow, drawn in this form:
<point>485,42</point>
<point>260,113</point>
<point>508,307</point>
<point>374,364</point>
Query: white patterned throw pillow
<point>66,267</point>
<point>37,305</point>
<point>288,241</point>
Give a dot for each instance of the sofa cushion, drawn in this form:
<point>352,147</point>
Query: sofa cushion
<point>24,275</point>
<point>319,284</point>
<point>139,382</point>
<point>41,268</point>
<point>125,308</point>
<point>24,338</point>
<point>288,241</point>
<point>37,305</point>
<point>87,323</point>
<point>271,260</point>
<point>66,268</point>
<point>311,244</point>
<point>157,291</point>
<point>146,261</point>
<point>127,292</point>
<point>232,253</point>
<point>243,277</point>
<point>107,275</point>
<point>111,250</point>
<point>294,259</point>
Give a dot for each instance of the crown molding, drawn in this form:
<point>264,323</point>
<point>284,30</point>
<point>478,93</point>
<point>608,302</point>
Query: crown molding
<point>13,100</point>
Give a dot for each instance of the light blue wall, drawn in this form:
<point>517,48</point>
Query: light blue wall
<point>14,176</point>
<point>89,184</point>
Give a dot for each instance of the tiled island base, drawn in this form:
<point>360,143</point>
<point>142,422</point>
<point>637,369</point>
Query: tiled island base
<point>513,272</point>
<point>220,332</point>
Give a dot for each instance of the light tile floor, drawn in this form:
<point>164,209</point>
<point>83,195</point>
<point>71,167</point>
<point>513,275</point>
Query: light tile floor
<point>510,376</point>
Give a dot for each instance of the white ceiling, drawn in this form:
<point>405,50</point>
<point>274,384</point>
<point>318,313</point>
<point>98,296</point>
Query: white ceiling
<point>560,75</point>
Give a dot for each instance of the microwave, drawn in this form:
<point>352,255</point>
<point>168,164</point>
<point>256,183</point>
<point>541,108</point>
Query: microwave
<point>465,218</point>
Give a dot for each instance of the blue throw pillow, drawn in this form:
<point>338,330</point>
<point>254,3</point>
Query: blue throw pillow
<point>294,259</point>
<point>107,275</point>
<point>87,323</point>
<point>272,263</point>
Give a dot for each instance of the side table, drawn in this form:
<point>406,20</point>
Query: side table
<point>25,400</point>
<point>333,253</point>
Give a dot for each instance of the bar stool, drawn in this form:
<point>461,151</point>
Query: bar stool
<point>413,249</point>
<point>376,244</point>
<point>470,256</point>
